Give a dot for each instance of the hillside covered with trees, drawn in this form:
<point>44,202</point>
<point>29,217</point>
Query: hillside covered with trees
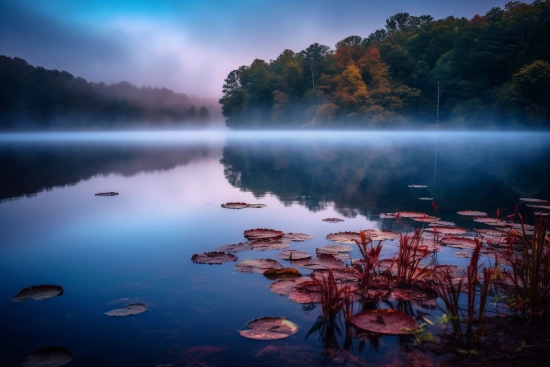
<point>36,98</point>
<point>491,71</point>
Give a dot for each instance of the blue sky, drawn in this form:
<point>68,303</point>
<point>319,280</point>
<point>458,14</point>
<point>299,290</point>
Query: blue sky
<point>189,45</point>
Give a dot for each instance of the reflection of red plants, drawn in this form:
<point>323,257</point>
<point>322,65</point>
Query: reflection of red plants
<point>371,257</point>
<point>409,257</point>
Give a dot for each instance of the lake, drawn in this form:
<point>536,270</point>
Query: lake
<point>136,247</point>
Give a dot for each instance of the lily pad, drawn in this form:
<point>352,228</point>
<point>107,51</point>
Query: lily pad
<point>447,229</point>
<point>490,221</point>
<point>38,292</point>
<point>333,220</point>
<point>234,205</point>
<point>130,310</point>
<point>333,249</point>
<point>545,207</point>
<point>425,198</point>
<point>388,216</point>
<point>283,273</point>
<point>344,275</point>
<point>323,261</point>
<point>268,244</point>
<point>418,186</point>
<point>269,328</point>
<point>532,200</point>
<point>385,322</point>
<point>380,234</point>
<point>294,255</point>
<point>237,247</point>
<point>214,257</point>
<point>407,214</point>
<point>459,242</point>
<point>47,357</point>
<point>344,237</point>
<point>260,265</point>
<point>428,219</point>
<point>297,237</point>
<point>257,206</point>
<point>441,223</point>
<point>282,287</point>
<point>262,233</point>
<point>472,213</point>
<point>107,194</point>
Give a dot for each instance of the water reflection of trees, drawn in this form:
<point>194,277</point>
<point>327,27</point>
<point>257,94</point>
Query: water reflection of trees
<point>28,170</point>
<point>372,178</point>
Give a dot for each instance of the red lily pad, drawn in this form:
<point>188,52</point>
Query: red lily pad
<point>447,229</point>
<point>234,205</point>
<point>282,287</point>
<point>323,261</point>
<point>297,237</point>
<point>417,186</point>
<point>38,292</point>
<point>47,357</point>
<point>268,244</point>
<point>344,237</point>
<point>130,310</point>
<point>237,247</point>
<point>294,255</point>
<point>107,194</point>
<point>214,257</point>
<point>380,234</point>
<point>261,265</point>
<point>532,200</point>
<point>459,242</point>
<point>413,293</point>
<point>262,233</point>
<point>428,219</point>
<point>472,213</point>
<point>407,214</point>
<point>333,220</point>
<point>333,249</point>
<point>390,322</point>
<point>344,275</point>
<point>491,221</point>
<point>269,328</point>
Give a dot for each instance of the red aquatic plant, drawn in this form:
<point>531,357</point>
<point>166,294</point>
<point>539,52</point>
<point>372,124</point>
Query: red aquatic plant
<point>411,253</point>
<point>371,256</point>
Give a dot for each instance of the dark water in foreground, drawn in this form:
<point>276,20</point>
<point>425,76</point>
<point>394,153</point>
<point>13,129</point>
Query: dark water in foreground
<point>107,252</point>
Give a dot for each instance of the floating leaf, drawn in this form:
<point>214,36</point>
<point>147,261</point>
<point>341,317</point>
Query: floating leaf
<point>442,223</point>
<point>333,220</point>
<point>472,213</point>
<point>490,221</point>
<point>237,247</point>
<point>428,219</point>
<point>297,237</point>
<point>262,233</point>
<point>385,322</point>
<point>323,261</point>
<point>407,214</point>
<point>333,249</point>
<point>260,265</point>
<point>257,206</point>
<point>490,232</point>
<point>269,328</point>
<point>214,257</point>
<point>343,275</point>
<point>306,292</point>
<point>344,237</point>
<point>531,200</point>
<point>418,186</point>
<point>380,235</point>
<point>294,255</point>
<point>388,216</point>
<point>426,198</point>
<point>47,357</point>
<point>282,287</point>
<point>38,292</point>
<point>107,194</point>
<point>413,293</point>
<point>447,229</point>
<point>283,273</point>
<point>459,242</point>
<point>546,207</point>
<point>233,205</point>
<point>268,244</point>
<point>133,309</point>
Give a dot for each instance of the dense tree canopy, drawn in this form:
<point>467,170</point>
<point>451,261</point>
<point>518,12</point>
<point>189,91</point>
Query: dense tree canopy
<point>36,98</point>
<point>493,71</point>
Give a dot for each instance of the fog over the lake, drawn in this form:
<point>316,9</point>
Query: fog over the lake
<point>190,46</point>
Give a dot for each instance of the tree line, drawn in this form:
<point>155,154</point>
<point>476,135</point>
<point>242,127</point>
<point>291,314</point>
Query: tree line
<point>489,71</point>
<point>36,98</point>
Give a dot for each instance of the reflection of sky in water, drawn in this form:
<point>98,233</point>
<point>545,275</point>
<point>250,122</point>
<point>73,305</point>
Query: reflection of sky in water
<point>136,247</point>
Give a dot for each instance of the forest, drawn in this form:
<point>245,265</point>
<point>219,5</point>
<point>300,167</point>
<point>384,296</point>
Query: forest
<point>36,98</point>
<point>490,71</point>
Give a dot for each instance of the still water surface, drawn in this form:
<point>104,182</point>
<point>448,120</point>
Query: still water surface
<point>107,252</point>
